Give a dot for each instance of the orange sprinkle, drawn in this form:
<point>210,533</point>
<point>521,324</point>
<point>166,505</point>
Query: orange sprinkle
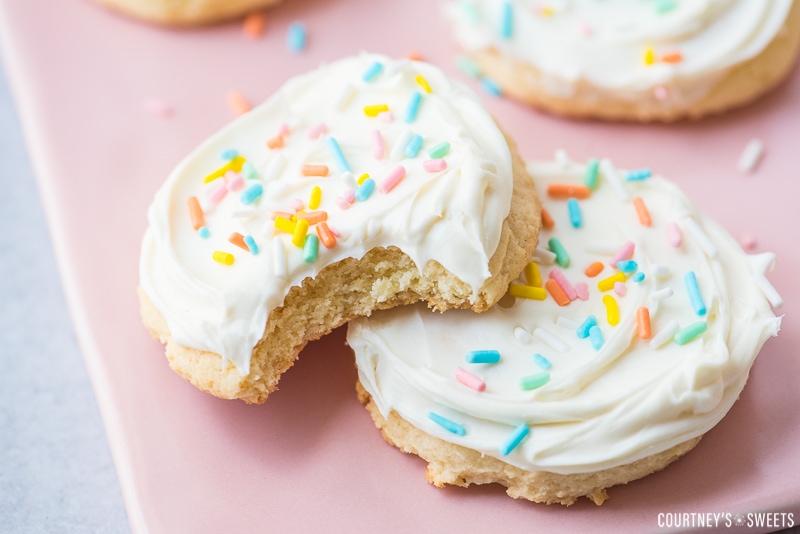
<point>643,322</point>
<point>196,213</point>
<point>314,170</point>
<point>594,269</point>
<point>238,103</point>
<point>547,219</point>
<point>565,191</point>
<point>414,55</point>
<point>325,235</point>
<point>556,292</point>
<point>254,24</point>
<point>238,239</point>
<point>314,217</point>
<point>275,142</point>
<point>672,57</point>
<point>641,211</point>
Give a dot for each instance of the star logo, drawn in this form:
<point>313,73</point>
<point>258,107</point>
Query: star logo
<point>739,520</point>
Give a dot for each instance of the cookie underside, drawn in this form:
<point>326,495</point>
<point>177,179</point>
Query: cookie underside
<point>186,12</point>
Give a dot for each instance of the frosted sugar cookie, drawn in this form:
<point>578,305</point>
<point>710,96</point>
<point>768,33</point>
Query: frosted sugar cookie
<point>630,59</point>
<point>630,335</point>
<point>365,184</point>
<point>186,12</point>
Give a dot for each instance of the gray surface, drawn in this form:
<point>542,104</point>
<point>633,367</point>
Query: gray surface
<point>56,472</point>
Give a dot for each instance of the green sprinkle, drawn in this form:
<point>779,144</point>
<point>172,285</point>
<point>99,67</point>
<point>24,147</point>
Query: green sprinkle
<point>470,11</point>
<point>690,332</point>
<point>555,246</point>
<point>665,6</point>
<point>439,151</point>
<point>590,178</point>
<point>310,248</point>
<point>468,66</point>
<point>534,381</point>
<point>249,171</point>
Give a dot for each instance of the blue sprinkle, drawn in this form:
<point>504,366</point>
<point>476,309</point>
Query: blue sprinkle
<point>483,356</point>
<point>690,279</point>
<point>413,146</point>
<point>516,437</point>
<point>447,424</point>
<point>541,361</point>
<point>338,155</point>
<point>507,21</point>
<point>204,232</point>
<point>638,175</point>
<point>583,329</point>
<point>365,189</point>
<point>296,36</point>
<point>413,106</point>
<point>229,154</point>
<point>638,277</point>
<point>251,194</point>
<point>627,266</point>
<point>575,217</point>
<point>490,86</point>
<point>372,71</point>
<point>596,337</point>
<point>251,244</point>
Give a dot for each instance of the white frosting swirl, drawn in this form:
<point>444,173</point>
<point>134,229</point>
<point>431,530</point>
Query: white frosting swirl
<point>600,408</point>
<point>604,43</point>
<point>453,216</point>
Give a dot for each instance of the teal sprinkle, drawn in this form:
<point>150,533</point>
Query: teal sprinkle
<point>483,356</point>
<point>229,154</point>
<point>413,146</point>
<point>638,277</point>
<point>583,329</point>
<point>590,178</point>
<point>251,244</point>
<point>514,439</point>
<point>541,361</point>
<point>439,151</point>
<point>534,381</point>
<point>507,21</point>
<point>627,266</point>
<point>447,424</point>
<point>310,248</point>
<point>490,86</point>
<point>687,334</point>
<point>365,189</point>
<point>555,246</point>
<point>204,232</point>
<point>251,194</point>
<point>575,216</point>
<point>596,337</point>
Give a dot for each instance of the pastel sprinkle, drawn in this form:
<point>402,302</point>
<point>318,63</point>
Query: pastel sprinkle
<point>687,334</point>
<point>530,382</point>
<point>660,271</point>
<point>566,191</point>
<point>642,212</point>
<point>344,96</point>
<point>251,194</point>
<point>315,198</point>
<point>365,190</point>
<point>315,131</point>
<point>532,275</point>
<point>612,310</point>
<point>470,380</point>
<point>649,56</point>
<point>224,258</point>
<point>234,181</point>
<point>661,294</point>
<point>279,260</point>
<point>348,179</point>
<point>196,213</point>
<point>412,108</point>
<point>491,86</point>
<point>620,289</point>
<point>751,155</point>
<point>596,337</point>
<point>392,179</point>
<point>386,116</point>
<point>413,146</point>
<point>325,235</point>
<point>586,325</point>
<point>643,322</point>
<point>310,248</point>
<point>564,322</point>
<point>638,277</point>
<point>514,439</point>
<point>338,155</point>
<point>229,154</point>
<point>700,236</point>
<point>372,71</point>
<point>561,280</point>
<point>557,293</point>
<point>275,142</point>
<point>238,239</point>
<point>440,150</point>
<point>249,171</point>
<point>374,110</point>
<point>545,257</point>
<point>627,266</point>
<point>507,21</point>
<point>638,175</point>
<point>607,284</point>
<point>399,148</point>
<point>541,361</point>
<point>665,6</point>
<point>314,170</point>
<point>204,232</point>
<point>674,236</point>
<point>625,252</point>
<point>575,216</point>
<point>551,340</point>
<point>434,165</point>
<point>527,292</point>
<point>555,246</point>
<point>285,225</point>
<point>253,25</point>
<point>233,165</point>
<point>447,424</point>
<point>591,174</point>
<point>582,289</point>
<point>468,66</point>
<point>594,269</point>
<point>483,356</point>
<point>362,178</point>
<point>666,334</point>
<point>612,176</point>
<point>420,79</point>
<point>522,335</point>
<point>377,145</point>
<point>690,279</point>
<point>299,234</point>
<point>547,220</point>
<point>296,36</point>
<point>275,167</point>
<point>238,103</point>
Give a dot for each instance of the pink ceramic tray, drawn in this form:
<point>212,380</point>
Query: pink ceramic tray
<point>310,459</point>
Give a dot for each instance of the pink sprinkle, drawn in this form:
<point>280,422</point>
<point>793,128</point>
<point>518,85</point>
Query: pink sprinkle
<point>334,231</point>
<point>157,107</point>
<point>385,116</point>
<point>434,165</point>
<point>470,380</point>
<point>296,204</point>
<point>620,288</point>
<point>563,283</point>
<point>377,145</point>
<point>283,130</point>
<point>748,242</point>
<point>674,235</point>
<point>219,193</point>
<point>342,203</point>
<point>317,130</point>
<point>660,92</point>
<point>283,214</point>
<point>235,180</point>
<point>585,29</point>
<point>582,289</point>
<point>393,178</point>
<point>349,195</point>
<point>624,253</point>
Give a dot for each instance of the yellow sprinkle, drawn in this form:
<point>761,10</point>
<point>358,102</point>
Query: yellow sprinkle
<point>423,83</point>
<point>362,178</point>
<point>375,109</point>
<point>527,292</point>
<point>532,275</point>
<point>612,310</point>
<point>222,257</point>
<point>299,234</point>
<point>284,224</point>
<point>649,56</point>
<point>233,165</point>
<point>316,198</point>
<point>547,11</point>
<point>607,284</point>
